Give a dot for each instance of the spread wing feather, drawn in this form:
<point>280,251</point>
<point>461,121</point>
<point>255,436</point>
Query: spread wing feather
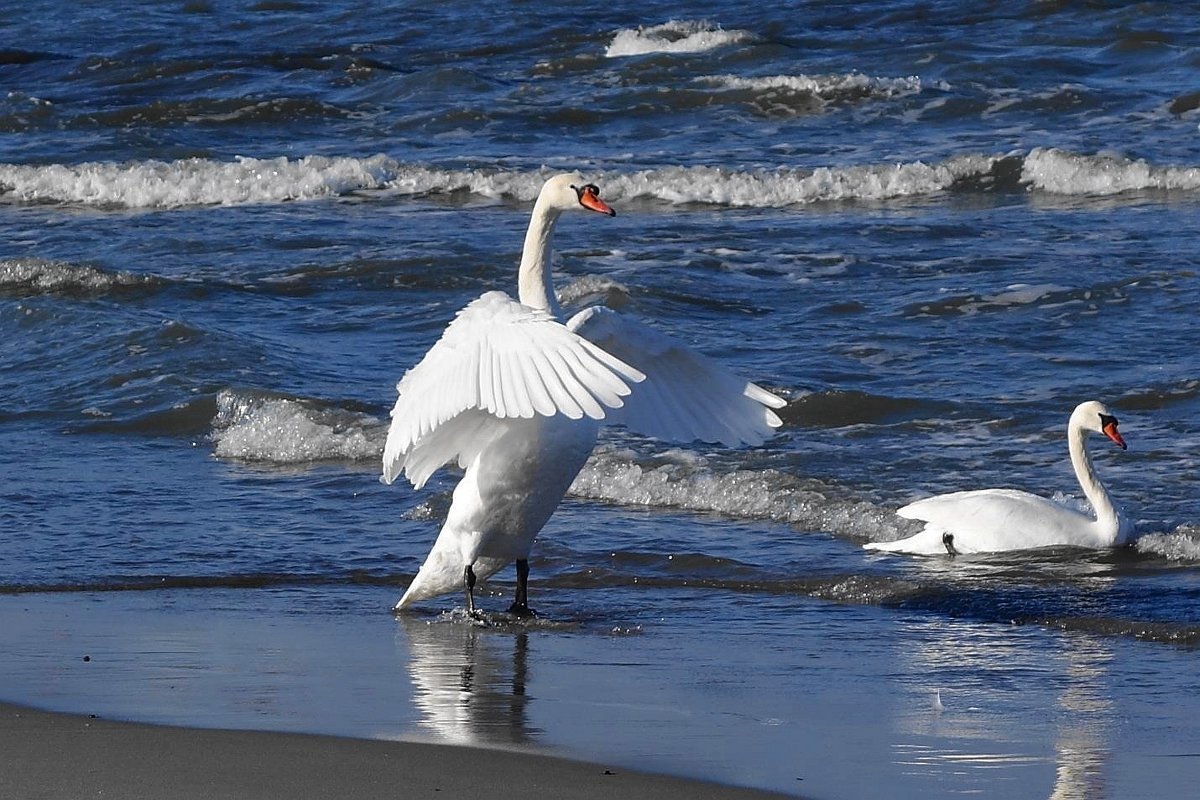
<point>498,359</point>
<point>685,395</point>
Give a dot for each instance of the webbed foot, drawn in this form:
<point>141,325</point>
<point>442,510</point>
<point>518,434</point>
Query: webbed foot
<point>522,610</point>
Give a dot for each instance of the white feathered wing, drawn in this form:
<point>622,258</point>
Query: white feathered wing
<point>497,360</point>
<point>685,396</point>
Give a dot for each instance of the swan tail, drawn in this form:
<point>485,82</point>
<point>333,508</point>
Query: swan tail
<point>930,541</point>
<point>442,573</point>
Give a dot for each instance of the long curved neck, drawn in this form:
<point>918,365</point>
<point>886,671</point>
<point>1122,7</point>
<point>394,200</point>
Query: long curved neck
<point>1108,522</point>
<point>535,285</point>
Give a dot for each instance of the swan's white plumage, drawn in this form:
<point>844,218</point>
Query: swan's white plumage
<point>685,395</point>
<point>516,398</point>
<point>994,520</point>
<point>998,520</point>
<point>503,358</point>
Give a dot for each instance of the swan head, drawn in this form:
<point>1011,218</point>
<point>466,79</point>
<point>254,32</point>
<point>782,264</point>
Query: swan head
<point>569,192</point>
<point>1094,416</point>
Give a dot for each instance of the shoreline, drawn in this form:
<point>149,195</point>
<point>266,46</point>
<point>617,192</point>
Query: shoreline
<point>54,755</point>
<point>267,694</point>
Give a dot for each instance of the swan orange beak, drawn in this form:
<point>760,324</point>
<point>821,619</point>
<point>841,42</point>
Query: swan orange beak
<point>1110,430</point>
<point>589,198</point>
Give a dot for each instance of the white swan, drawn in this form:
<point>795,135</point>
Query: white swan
<point>516,397</point>
<point>994,520</point>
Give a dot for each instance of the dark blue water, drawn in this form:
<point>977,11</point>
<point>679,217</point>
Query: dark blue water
<point>226,229</point>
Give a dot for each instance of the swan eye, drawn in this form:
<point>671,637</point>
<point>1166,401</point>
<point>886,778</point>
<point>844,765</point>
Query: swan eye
<point>1107,419</point>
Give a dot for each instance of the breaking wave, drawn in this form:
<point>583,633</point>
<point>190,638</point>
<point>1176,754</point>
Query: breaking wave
<point>33,276</point>
<point>194,181</point>
<point>675,36</point>
<point>267,428</point>
<point>1181,544</point>
<point>1060,172</point>
<point>686,480</point>
<point>851,86</point>
<point>271,429</point>
<point>592,289</point>
<point>198,182</point>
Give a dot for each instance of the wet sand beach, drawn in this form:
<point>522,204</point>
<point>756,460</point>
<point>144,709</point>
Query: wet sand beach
<point>62,756</point>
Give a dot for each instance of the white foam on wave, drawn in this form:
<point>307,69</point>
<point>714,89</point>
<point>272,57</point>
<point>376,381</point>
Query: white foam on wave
<point>32,274</point>
<point>827,87</point>
<point>685,480</point>
<point>199,182</point>
<point>155,184</point>
<point>1181,544</point>
<point>590,289</point>
<point>257,427</point>
<point>251,426</point>
<point>1061,172</point>
<point>674,36</point>
<point>195,181</point>
<point>785,187</point>
<point>1012,296</point>
<point>1021,294</point>
<point>717,185</point>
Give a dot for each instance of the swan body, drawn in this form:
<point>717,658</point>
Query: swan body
<point>995,520</point>
<point>516,396</point>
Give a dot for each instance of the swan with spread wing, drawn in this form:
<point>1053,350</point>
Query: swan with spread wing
<point>516,396</point>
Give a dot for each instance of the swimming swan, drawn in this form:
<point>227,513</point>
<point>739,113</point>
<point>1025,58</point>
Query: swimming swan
<point>516,397</point>
<point>993,520</point>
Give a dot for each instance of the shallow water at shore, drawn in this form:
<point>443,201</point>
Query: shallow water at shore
<point>779,697</point>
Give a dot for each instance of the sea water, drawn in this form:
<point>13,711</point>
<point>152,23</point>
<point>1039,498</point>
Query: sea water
<point>229,228</point>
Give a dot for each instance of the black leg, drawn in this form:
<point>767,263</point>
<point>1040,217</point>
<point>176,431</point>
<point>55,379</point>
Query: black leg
<point>522,582</point>
<point>948,541</point>
<point>520,606</point>
<point>469,580</point>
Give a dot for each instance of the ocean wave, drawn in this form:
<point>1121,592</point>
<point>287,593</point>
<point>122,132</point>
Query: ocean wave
<point>1060,172</point>
<point>593,289</point>
<point>1055,605</point>
<point>1155,397</point>
<point>685,480</point>
<point>717,185</point>
<point>32,276</point>
<point>185,418</point>
<point>268,428</point>
<point>850,86</point>
<point>781,188</point>
<point>1014,295</point>
<point>211,111</point>
<point>674,36</point>
<point>196,181</point>
<point>1066,97</point>
<point>193,182</point>
<point>271,429</point>
<point>1181,544</point>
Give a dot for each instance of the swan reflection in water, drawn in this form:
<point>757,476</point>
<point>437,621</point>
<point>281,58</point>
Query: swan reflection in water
<point>1085,720</point>
<point>468,682</point>
<point>963,744</point>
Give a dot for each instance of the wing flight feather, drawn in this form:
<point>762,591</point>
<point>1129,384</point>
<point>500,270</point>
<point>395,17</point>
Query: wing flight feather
<point>686,395</point>
<point>503,360</point>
